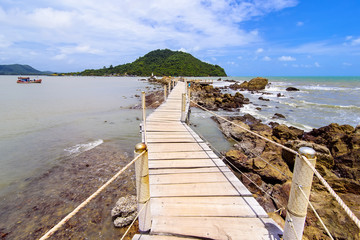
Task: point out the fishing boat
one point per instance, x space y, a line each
28 80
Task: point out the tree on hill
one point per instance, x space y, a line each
162 63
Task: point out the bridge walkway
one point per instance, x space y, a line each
193 193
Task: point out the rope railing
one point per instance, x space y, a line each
322 180
282 207
84 203
333 193
132 223
316 214
254 133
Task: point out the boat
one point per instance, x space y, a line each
28 80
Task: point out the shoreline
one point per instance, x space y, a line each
334 143
44 200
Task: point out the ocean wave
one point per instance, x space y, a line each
83 147
325 88
330 106
250 109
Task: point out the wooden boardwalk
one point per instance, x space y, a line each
194 195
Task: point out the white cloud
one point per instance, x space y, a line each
266 58
183 50
259 50
316 64
355 42
299 24
114 29
240 57
4 42
286 58
347 64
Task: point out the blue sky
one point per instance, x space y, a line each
246 38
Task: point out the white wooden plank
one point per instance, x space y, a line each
217 227
173 147
188 178
185 163
193 189
201 207
185 170
177 155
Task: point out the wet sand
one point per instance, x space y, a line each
44 200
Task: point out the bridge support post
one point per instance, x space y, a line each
143 188
297 206
169 86
143 130
183 107
165 94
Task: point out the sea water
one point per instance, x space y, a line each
43 124
320 101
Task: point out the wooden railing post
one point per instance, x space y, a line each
183 107
297 206
143 187
143 134
169 86
165 94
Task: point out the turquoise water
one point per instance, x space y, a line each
42 125
320 101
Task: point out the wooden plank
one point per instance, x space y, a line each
193 189
187 178
177 155
185 163
158 237
217 227
186 170
173 147
201 207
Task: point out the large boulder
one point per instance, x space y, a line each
124 211
254 84
323 154
287 133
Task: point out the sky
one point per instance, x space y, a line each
246 38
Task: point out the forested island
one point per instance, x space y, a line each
18 69
160 63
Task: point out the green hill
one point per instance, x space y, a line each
18 69
162 63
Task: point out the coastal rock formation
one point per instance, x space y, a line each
337 150
254 84
124 211
212 98
292 89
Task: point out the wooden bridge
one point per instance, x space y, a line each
193 194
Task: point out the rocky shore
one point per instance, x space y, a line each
338 161
44 200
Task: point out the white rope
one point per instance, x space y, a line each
322 180
261 189
254 133
278 170
132 223
316 214
83 204
332 192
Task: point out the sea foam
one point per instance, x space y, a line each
83 147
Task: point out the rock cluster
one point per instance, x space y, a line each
213 99
338 161
254 84
124 211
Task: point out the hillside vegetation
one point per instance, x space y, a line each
161 63
18 69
